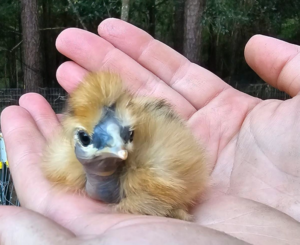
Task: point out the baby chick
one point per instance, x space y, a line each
131 152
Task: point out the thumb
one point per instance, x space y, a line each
275 61
21 226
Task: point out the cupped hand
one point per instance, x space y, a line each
253 145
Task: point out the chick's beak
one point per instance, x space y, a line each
106 142
123 154
107 138
103 161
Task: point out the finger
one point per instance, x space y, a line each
42 113
196 84
275 61
24 145
59 117
33 190
247 220
21 226
94 54
171 232
69 75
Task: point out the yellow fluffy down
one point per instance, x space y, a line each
165 171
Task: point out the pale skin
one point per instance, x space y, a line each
253 146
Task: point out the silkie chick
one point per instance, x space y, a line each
131 152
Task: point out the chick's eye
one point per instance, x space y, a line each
84 138
131 133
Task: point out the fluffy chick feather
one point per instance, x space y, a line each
165 171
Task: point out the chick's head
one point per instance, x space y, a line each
100 123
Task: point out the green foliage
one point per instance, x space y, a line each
226 27
10 36
9 12
143 11
92 12
290 29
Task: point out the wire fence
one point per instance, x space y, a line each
7 193
57 98
264 91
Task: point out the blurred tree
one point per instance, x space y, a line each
216 40
192 29
125 10
178 25
151 6
31 45
10 43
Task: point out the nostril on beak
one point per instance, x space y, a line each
123 154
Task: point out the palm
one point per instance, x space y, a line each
260 161
249 141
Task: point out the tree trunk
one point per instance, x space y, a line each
44 35
233 52
192 29
21 73
179 25
152 15
31 45
125 10
212 50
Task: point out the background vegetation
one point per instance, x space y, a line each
212 33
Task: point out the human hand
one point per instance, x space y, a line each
252 143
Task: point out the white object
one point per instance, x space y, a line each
3 156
